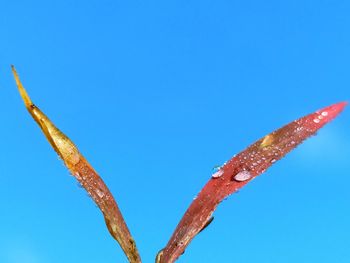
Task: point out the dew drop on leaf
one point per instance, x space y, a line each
242 176
100 193
217 174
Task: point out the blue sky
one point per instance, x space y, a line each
155 94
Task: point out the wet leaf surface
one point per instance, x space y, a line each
85 174
239 171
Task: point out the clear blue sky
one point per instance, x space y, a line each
156 93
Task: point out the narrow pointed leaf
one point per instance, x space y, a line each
86 176
239 171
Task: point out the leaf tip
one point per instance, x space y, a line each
27 101
332 111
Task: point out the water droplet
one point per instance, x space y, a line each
325 113
74 158
242 176
77 175
216 168
273 160
100 193
217 174
316 120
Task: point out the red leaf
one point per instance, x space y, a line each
239 171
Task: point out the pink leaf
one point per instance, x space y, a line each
239 171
